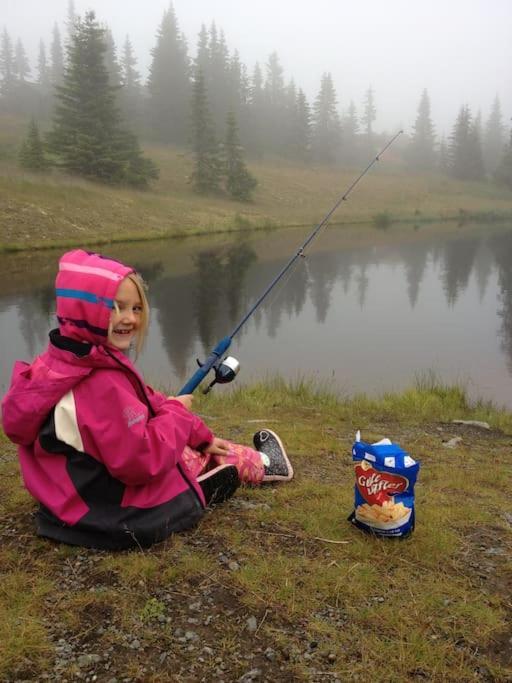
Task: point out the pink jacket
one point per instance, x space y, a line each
99 449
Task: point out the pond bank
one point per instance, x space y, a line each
53 210
379 221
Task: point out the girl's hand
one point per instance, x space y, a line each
185 400
217 447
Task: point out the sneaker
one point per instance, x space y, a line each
275 461
219 484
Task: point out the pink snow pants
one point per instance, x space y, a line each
246 460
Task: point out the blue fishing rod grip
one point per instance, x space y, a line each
205 368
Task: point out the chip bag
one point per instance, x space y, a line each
384 488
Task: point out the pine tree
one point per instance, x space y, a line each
274 83
274 117
43 74
7 67
32 150
369 116
326 131
131 91
477 168
256 113
43 83
239 182
239 94
290 114
444 157
494 138
217 77
21 66
465 147
350 136
299 126
459 144
207 174
87 137
70 23
202 60
111 61
169 83
503 174
57 58
237 84
421 152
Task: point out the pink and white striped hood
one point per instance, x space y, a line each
86 286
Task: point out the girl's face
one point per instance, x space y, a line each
125 318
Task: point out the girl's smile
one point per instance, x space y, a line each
126 316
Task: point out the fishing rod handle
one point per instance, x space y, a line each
205 367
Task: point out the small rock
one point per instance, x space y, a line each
252 624
452 443
250 676
495 551
270 654
234 566
86 660
472 423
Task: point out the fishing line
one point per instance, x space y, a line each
281 285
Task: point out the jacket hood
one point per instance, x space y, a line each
86 286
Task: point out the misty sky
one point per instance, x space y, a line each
460 50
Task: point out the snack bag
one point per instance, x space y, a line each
384 488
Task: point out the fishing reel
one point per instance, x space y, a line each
225 371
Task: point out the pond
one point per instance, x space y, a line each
367 310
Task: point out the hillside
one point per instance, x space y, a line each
38 210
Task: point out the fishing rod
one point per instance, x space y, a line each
226 369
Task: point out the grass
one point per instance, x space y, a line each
53 210
327 600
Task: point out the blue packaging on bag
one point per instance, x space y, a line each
384 488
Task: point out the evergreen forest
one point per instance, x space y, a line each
87 107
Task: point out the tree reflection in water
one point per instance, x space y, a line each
501 246
207 295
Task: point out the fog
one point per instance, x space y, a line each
459 50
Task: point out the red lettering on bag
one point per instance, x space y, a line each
377 487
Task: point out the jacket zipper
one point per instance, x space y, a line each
139 382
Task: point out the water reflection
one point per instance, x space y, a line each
501 247
414 286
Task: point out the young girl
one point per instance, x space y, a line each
112 462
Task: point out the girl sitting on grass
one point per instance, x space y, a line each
113 463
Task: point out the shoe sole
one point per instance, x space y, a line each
219 484
279 477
